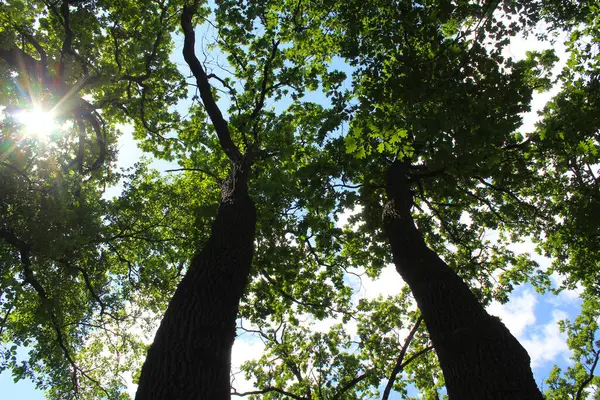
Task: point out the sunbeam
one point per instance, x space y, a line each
37 122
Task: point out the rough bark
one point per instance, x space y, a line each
190 357
478 355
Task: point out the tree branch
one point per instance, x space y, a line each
269 390
589 378
351 384
399 365
29 278
215 177
265 80
7 314
189 55
503 190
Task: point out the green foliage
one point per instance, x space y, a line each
328 93
581 379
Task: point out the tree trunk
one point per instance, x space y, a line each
190 357
479 356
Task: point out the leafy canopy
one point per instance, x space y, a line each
331 92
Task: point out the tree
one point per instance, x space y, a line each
217 275
61 286
430 66
426 92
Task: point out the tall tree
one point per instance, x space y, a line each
127 87
416 68
191 353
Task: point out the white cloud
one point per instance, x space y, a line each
517 49
347 213
465 218
543 342
547 342
567 296
388 283
246 347
291 239
518 313
130 387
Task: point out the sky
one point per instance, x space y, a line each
530 316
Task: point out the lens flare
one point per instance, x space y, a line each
37 122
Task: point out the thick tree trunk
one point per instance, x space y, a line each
190 357
479 356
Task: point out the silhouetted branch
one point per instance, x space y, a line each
589 377
269 390
189 55
351 384
399 361
29 278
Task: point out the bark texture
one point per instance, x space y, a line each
190 357
479 356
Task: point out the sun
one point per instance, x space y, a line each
38 122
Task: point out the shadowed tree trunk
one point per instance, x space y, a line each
479 356
190 357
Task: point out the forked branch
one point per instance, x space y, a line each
212 109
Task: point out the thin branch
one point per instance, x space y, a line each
502 190
351 384
300 302
130 267
81 145
415 356
400 359
589 377
90 287
92 118
17 58
221 127
269 390
265 80
67 47
289 362
150 58
38 47
454 235
512 146
223 82
361 377
215 177
486 202
591 172
421 172
16 170
29 277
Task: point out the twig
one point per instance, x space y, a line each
351 384
24 250
195 170
212 109
5 319
589 378
400 359
269 390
